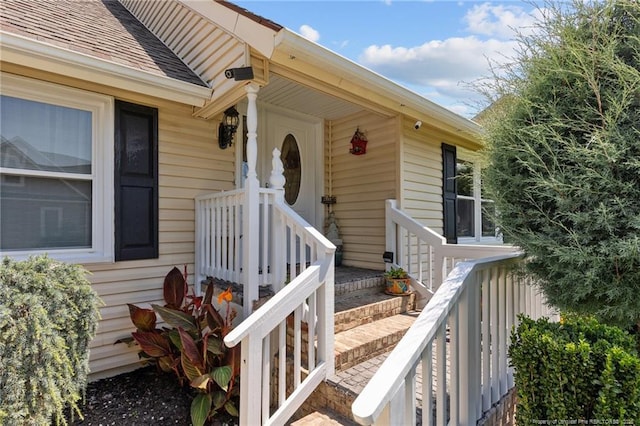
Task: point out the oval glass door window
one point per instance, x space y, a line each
290 155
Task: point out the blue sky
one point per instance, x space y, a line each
435 48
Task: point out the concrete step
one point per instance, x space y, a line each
365 341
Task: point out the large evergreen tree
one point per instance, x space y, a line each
563 146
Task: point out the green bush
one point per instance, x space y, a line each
578 369
48 314
564 159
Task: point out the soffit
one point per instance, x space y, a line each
288 94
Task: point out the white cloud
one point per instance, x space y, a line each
502 21
309 32
445 65
448 68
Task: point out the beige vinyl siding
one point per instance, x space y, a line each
190 164
421 175
361 184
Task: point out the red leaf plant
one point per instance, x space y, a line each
192 346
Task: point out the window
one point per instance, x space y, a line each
292 169
56 169
474 213
467 213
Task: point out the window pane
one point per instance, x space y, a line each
44 213
488 213
465 217
292 169
464 176
39 136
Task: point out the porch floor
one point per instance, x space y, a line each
347 274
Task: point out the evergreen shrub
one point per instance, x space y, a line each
48 315
564 158
578 370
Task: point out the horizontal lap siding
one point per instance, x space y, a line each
361 184
190 164
422 184
421 176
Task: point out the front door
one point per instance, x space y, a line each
300 145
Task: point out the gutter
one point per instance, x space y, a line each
43 56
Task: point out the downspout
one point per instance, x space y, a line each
332 231
330 165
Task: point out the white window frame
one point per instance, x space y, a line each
478 238
101 108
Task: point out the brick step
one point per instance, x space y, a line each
358 309
323 417
337 393
373 283
366 341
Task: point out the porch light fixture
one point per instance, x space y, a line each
358 143
228 128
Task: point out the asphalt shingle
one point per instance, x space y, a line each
102 29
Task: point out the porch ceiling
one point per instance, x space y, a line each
287 94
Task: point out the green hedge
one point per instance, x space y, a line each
48 315
575 370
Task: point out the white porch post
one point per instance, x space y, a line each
251 211
391 236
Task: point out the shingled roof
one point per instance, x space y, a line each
102 29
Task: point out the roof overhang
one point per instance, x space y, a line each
240 24
291 47
34 54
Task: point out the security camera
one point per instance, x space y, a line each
245 73
417 125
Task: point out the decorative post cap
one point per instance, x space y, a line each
277 179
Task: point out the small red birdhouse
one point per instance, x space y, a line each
358 143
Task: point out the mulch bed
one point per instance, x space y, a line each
141 397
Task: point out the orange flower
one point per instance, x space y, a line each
225 296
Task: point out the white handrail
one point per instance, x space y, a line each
273 336
251 236
425 254
479 301
271 314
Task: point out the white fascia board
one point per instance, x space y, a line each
236 24
304 49
43 56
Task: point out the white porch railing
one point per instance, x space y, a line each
460 339
219 241
219 235
309 298
425 254
280 249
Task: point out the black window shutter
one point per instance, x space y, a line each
449 193
136 181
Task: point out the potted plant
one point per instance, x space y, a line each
397 281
